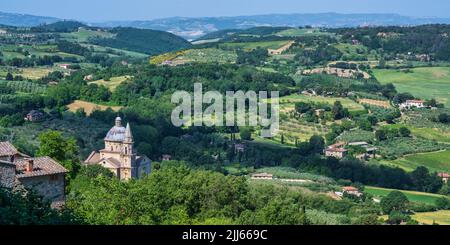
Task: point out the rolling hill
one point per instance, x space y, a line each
143 40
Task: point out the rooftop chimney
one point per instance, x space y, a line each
29 165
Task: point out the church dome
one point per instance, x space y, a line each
116 133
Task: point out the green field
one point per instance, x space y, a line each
441 217
112 83
431 134
84 35
424 82
435 161
253 45
412 196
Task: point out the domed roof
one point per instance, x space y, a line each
116 133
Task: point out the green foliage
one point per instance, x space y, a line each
443 203
395 201
54 145
338 111
253 57
245 133
22 207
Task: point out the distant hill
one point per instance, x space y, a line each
142 40
257 31
60 26
25 20
192 28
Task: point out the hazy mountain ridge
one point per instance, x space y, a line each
195 27
25 20
192 28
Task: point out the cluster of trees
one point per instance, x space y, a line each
320 55
33 60
392 132
324 84
175 194
60 26
254 57
442 118
21 207
425 39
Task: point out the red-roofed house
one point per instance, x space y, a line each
444 176
336 151
351 190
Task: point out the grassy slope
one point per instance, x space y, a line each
412 196
112 83
440 217
424 82
435 161
89 107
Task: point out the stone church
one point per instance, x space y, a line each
119 155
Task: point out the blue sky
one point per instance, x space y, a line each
100 10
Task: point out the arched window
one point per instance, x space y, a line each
126 150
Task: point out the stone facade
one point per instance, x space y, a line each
42 175
7 174
50 187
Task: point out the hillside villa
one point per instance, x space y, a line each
349 190
412 104
337 150
444 177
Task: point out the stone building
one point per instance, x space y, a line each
43 175
337 150
119 155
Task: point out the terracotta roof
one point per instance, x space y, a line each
336 150
42 166
7 163
94 157
7 149
114 162
349 188
444 175
337 145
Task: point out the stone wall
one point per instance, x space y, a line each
7 174
50 187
